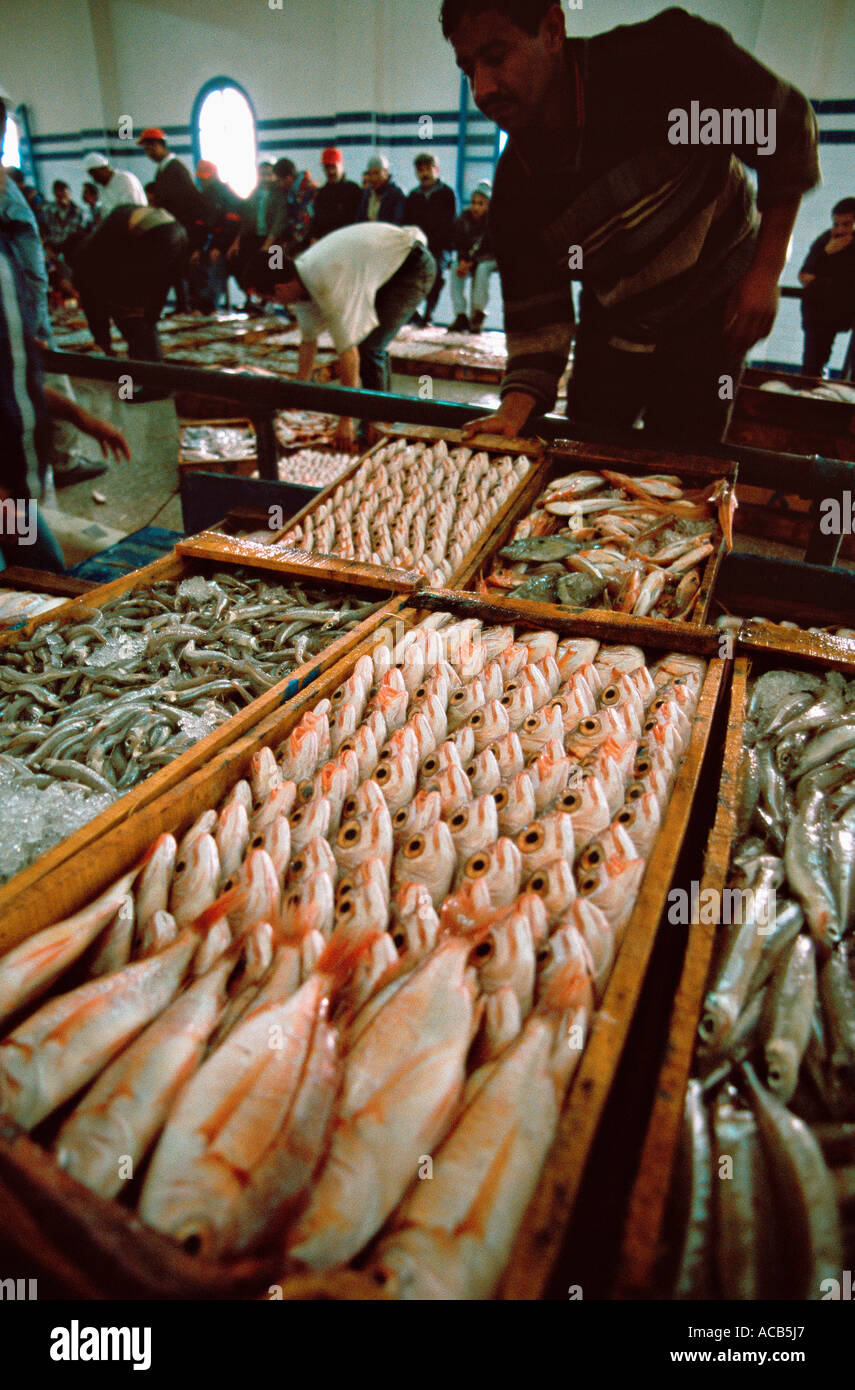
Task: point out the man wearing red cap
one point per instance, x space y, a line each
337 202
173 190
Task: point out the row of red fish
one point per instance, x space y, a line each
351 999
413 507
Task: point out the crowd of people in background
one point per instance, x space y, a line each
231 237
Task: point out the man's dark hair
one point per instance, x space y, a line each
285 168
527 15
422 159
60 183
17 176
846 205
90 188
266 164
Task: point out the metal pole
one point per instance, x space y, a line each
265 440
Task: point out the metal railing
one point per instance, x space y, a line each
260 397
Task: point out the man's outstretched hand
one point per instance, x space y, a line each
509 420
751 311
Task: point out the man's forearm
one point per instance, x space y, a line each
306 360
61 408
776 229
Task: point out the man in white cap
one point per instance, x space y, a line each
383 200
118 186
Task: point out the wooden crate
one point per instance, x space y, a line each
571 456
245 466
489 443
117 1252
759 593
63 587
644 1239
792 424
223 549
16 896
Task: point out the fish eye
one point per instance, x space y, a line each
258 842
229 883
382 774
626 817
349 833
297 865
415 845
539 883
430 765
477 719
385 755
181 866
590 725
477 865
530 839
531 722
400 817
649 726
501 798
399 940
297 817
459 819
484 949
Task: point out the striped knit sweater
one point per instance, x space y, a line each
664 229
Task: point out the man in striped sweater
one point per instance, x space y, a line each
625 169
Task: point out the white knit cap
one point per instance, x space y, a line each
95 161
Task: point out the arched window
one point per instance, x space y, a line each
224 132
11 151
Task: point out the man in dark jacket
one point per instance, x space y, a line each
432 206
123 271
828 276
337 201
174 190
223 214
256 222
624 168
382 200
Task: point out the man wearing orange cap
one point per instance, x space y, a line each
337 202
173 190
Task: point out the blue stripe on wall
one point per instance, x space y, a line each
834 106
50 147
